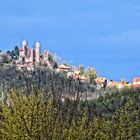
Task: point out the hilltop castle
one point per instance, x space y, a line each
30 58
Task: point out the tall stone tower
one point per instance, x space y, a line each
24 46
32 55
37 52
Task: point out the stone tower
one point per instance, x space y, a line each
37 52
32 55
24 46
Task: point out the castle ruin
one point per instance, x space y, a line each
30 58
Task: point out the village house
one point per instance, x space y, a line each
100 81
136 82
119 85
111 83
64 68
78 76
71 72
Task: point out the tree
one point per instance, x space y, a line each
43 115
16 51
91 74
8 52
126 121
27 117
105 84
82 69
123 81
6 58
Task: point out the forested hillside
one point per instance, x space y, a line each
47 105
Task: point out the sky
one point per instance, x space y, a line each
104 34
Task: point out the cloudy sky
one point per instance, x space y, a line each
104 34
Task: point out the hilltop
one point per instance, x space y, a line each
30 58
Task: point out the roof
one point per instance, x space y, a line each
113 83
100 79
62 66
136 80
82 77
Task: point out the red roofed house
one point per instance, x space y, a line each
136 82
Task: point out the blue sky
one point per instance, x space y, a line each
104 34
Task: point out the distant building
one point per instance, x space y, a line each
64 68
30 58
100 81
136 82
78 76
119 85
